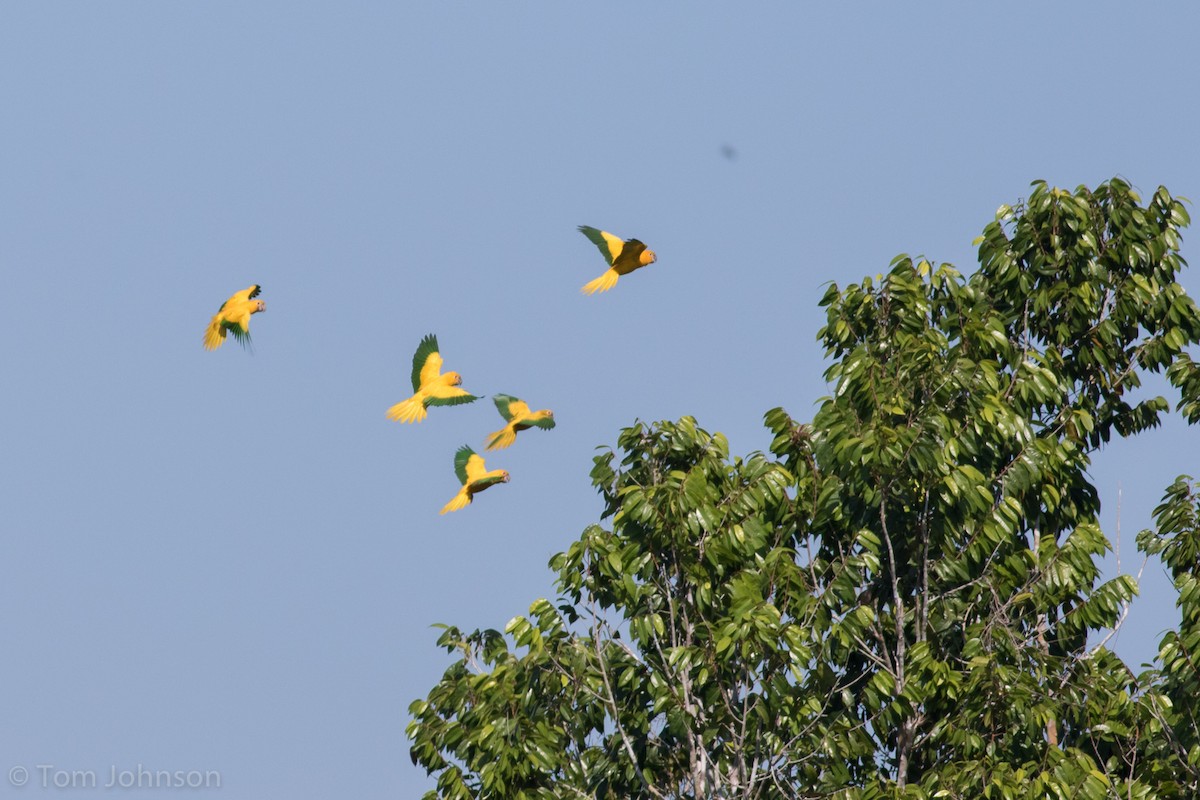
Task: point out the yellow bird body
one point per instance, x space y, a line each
623 257
431 386
519 418
234 317
475 477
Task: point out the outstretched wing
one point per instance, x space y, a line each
475 468
457 400
427 361
610 246
484 482
244 296
503 402
519 409
464 455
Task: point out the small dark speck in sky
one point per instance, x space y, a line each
728 151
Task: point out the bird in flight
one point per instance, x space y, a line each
475 477
234 317
431 386
518 417
623 257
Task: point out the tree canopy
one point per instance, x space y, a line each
896 600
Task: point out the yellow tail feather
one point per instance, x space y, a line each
460 500
410 410
214 337
502 438
601 284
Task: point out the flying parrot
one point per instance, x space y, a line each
234 317
475 478
519 418
623 258
432 386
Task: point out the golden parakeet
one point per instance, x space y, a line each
623 258
234 317
432 386
519 418
475 478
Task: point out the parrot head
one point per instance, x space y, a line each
647 257
452 378
504 476
261 305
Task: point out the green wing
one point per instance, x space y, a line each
484 483
450 401
545 423
428 345
502 402
460 463
241 334
597 237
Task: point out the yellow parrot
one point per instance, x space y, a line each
234 317
623 258
432 386
474 476
519 418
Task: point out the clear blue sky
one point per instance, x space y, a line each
230 561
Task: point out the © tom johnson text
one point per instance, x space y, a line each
50 776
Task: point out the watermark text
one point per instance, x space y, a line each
115 777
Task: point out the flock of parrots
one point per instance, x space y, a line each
432 387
